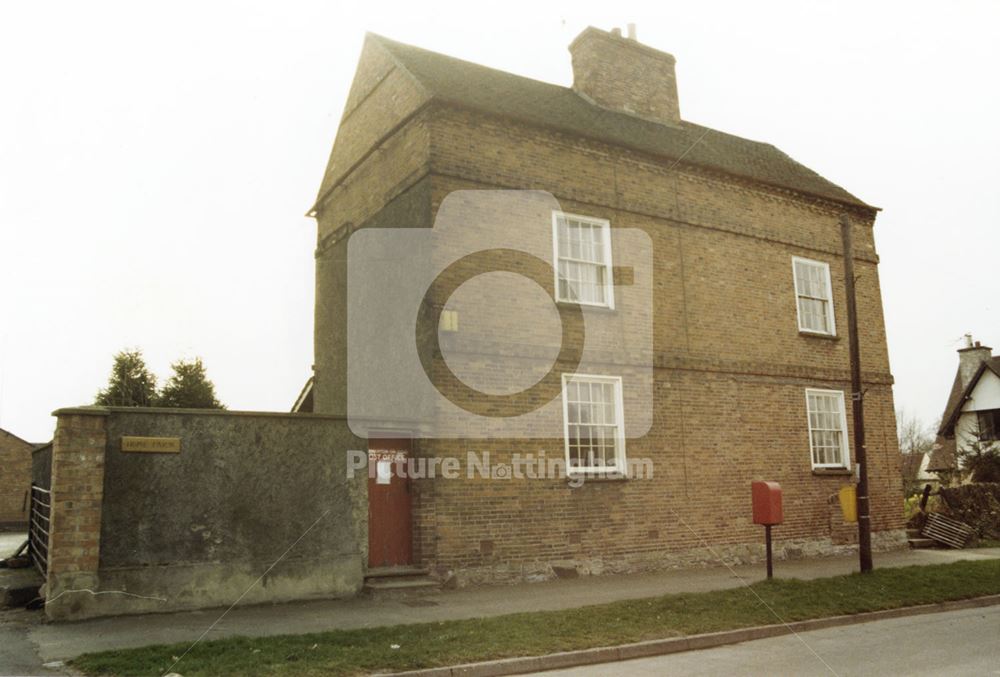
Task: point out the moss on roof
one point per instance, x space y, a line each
470 85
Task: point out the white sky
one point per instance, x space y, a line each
156 163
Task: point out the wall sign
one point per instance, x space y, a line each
162 445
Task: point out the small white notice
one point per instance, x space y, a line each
383 472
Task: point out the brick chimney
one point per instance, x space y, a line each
970 357
622 74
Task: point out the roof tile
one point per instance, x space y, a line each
471 85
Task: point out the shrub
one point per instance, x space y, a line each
978 505
915 518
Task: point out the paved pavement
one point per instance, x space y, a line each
52 642
18 654
963 642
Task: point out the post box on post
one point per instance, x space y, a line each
767 511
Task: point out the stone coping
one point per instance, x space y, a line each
107 411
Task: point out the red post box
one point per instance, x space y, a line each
766 503
767 511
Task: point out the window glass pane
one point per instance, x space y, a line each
813 296
827 433
989 424
592 422
580 248
812 314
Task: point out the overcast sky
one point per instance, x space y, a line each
156 161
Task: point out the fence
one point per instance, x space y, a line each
38 528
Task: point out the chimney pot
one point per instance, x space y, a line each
617 32
631 32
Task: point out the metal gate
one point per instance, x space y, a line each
38 528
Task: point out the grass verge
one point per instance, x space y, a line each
451 642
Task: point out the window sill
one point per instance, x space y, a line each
588 477
587 306
832 471
816 334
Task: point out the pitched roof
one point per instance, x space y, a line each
943 457
304 402
953 399
958 395
910 466
470 85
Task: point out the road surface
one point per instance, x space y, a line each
965 642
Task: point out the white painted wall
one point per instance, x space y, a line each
922 474
986 394
965 429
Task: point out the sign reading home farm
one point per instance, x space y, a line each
163 445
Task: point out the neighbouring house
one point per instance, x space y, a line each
943 461
749 365
15 480
972 412
916 474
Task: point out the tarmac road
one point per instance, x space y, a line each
965 642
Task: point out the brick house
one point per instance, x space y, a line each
972 411
15 480
749 357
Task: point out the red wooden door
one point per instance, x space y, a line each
390 530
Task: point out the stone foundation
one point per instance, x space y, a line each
645 562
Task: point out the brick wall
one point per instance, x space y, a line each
622 74
714 435
731 372
75 527
15 480
381 98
